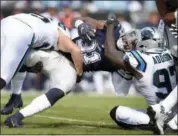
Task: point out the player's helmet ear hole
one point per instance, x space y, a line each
113 113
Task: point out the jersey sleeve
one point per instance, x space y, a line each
62 28
135 59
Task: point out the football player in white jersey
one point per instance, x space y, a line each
159 113
22 32
153 70
62 76
168 12
93 56
53 63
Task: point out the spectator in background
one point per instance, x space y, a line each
67 14
125 24
84 12
153 20
102 82
7 4
149 5
137 12
52 10
19 7
76 4
37 7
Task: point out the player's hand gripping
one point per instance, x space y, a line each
86 32
169 18
112 19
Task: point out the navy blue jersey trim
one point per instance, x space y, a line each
141 62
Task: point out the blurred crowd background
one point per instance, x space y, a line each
131 14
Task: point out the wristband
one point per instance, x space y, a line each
78 22
175 14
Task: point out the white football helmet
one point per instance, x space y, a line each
128 41
151 41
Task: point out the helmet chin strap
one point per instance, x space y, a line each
130 38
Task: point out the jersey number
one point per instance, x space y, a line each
94 57
44 19
47 20
90 55
163 84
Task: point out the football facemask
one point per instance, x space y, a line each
128 41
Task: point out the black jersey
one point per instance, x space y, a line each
93 54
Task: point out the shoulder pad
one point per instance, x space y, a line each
135 59
130 59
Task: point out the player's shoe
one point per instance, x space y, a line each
15 101
13 121
157 118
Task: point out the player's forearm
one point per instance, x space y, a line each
65 44
110 41
110 48
167 16
97 24
161 6
78 61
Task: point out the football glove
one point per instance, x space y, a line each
112 19
86 32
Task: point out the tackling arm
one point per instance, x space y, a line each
97 24
65 44
115 56
110 48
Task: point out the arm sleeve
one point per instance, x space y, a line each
136 60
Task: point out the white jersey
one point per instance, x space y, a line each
159 74
22 32
45 30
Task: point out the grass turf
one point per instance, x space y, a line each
75 114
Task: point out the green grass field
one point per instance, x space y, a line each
75 114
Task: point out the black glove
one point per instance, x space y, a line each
86 32
36 68
112 19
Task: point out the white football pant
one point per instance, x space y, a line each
16 38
